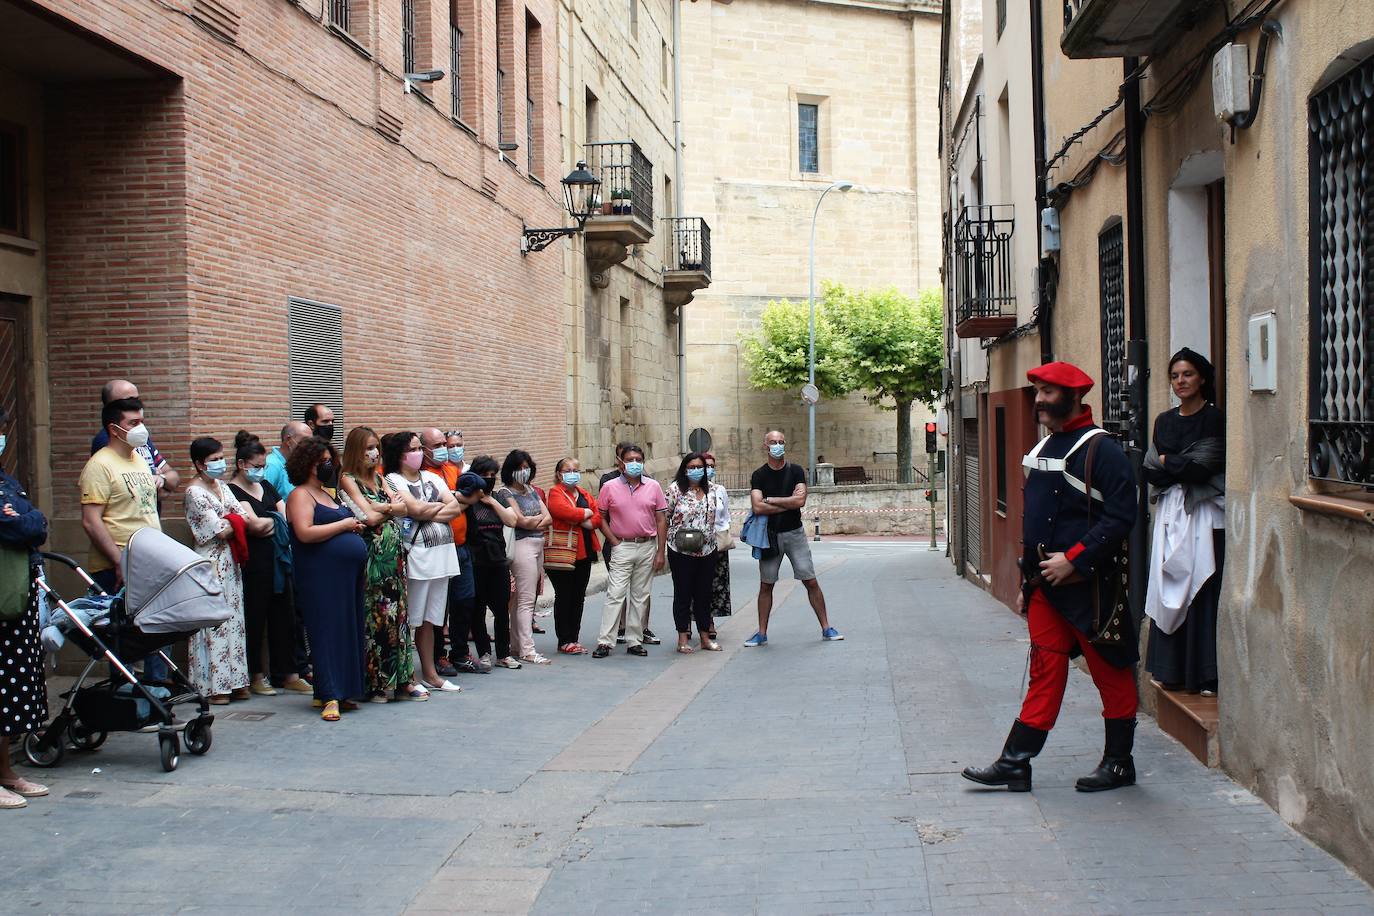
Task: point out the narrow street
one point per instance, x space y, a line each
804 777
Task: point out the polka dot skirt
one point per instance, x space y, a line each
23 692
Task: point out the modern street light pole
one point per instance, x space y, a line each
811 350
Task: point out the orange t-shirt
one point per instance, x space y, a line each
450 473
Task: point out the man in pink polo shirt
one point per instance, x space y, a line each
635 523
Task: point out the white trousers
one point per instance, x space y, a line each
628 580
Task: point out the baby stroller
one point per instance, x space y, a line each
170 591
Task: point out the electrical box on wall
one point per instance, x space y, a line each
1231 81
1049 231
1262 352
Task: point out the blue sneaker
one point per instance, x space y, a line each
831 634
753 642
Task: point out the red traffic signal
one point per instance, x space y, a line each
931 445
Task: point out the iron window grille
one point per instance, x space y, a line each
408 35
689 240
1341 297
1111 279
627 179
455 67
529 135
983 268
808 137
500 105
339 13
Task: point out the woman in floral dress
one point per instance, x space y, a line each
390 663
219 655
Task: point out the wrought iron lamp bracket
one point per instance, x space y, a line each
539 239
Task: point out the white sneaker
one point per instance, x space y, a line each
509 662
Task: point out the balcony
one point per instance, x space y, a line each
1124 28
626 205
688 265
984 299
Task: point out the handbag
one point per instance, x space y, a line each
1109 624
725 540
689 540
560 548
16 583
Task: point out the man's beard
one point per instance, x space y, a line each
1060 409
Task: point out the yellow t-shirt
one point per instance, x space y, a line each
128 493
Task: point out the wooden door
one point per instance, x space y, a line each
16 373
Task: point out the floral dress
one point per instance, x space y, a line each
390 662
218 655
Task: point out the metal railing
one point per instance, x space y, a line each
983 267
339 13
733 479
455 65
689 244
627 179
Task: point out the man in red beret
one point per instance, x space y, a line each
1080 504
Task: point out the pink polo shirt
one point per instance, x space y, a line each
633 510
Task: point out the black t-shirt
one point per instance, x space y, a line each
261 554
486 534
780 483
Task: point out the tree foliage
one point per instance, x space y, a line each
776 353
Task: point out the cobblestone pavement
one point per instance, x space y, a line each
804 777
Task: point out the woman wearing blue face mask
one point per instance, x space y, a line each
692 512
574 512
219 526
267 609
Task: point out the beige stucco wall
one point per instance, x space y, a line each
1295 634
745 65
621 360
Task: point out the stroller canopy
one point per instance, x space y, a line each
168 587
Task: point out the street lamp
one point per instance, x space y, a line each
579 198
810 393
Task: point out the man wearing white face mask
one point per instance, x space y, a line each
118 491
778 491
164 475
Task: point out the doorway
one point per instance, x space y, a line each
16 374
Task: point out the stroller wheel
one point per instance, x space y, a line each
84 740
41 756
197 735
171 751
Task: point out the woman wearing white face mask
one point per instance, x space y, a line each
220 525
267 609
527 564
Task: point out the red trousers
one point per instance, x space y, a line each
1052 639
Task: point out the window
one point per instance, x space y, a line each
1001 16
808 137
1111 278
314 334
455 70
663 63
534 88
1341 297
591 118
1000 431
627 351
634 18
408 35
503 63
341 13
12 181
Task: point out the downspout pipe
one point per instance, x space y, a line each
677 211
1044 290
1137 350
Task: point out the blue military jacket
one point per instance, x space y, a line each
1057 517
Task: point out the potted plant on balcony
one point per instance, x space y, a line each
622 206
594 203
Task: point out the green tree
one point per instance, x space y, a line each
895 348
776 353
880 342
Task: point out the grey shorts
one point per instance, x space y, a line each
794 546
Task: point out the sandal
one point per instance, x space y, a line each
24 787
709 646
345 705
331 711
572 648
413 692
9 799
685 649
220 699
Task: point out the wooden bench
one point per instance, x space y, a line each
850 474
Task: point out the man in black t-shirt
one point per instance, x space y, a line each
778 490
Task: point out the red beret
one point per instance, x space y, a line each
1065 375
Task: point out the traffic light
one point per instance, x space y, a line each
930 496
931 446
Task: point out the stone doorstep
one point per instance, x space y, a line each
1191 720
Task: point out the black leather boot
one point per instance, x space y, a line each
1117 769
1013 768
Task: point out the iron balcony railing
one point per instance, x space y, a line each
339 13
689 244
983 263
627 179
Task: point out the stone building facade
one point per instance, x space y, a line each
1241 237
238 205
865 109
616 87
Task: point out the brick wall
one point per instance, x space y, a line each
183 215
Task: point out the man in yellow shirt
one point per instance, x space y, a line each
118 492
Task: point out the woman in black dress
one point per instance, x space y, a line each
267 609
23 694
1189 443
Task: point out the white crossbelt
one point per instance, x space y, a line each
1033 462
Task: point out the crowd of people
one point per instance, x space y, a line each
381 573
